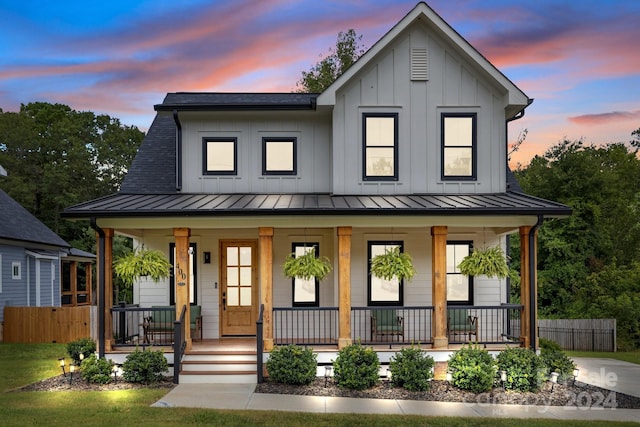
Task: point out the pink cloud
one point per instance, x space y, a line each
605 118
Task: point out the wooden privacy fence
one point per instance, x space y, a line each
46 324
580 334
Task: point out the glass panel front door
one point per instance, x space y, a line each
239 287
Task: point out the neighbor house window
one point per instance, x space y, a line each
193 288
16 270
459 286
306 292
459 142
381 291
380 146
219 156
279 156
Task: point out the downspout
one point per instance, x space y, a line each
101 249
533 297
178 150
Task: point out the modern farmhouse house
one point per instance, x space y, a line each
407 149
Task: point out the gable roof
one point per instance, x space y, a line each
16 223
422 12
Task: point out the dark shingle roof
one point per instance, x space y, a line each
154 168
188 101
16 223
147 205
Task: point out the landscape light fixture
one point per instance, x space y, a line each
503 378
575 375
72 369
554 379
62 366
449 378
327 374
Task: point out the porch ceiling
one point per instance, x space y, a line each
509 209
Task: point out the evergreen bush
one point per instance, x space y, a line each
472 368
292 364
144 366
356 367
411 369
85 346
95 370
524 368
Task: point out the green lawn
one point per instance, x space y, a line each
21 364
628 356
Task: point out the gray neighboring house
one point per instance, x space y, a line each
30 258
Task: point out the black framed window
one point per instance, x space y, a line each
380 146
459 286
193 269
459 146
219 156
381 291
306 293
279 156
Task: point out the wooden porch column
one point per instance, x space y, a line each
182 276
344 286
108 288
265 254
525 287
439 285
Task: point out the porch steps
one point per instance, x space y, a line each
219 366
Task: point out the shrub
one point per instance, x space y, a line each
84 346
472 369
547 344
292 364
557 361
144 366
411 368
356 367
96 371
525 369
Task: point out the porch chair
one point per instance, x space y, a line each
459 322
386 322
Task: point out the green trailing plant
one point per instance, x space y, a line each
411 369
292 364
472 368
356 367
524 368
96 371
144 366
142 262
490 262
393 264
85 346
307 266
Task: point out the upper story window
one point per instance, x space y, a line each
279 156
381 291
459 286
459 146
380 146
219 156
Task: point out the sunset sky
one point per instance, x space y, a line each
579 60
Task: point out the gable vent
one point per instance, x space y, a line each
419 69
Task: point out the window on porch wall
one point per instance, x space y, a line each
306 293
459 286
382 292
193 288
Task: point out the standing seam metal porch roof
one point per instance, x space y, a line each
190 204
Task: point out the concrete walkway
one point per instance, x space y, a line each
242 396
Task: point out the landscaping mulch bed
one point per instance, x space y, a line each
580 395
62 383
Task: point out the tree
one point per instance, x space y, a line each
578 257
635 142
57 157
347 51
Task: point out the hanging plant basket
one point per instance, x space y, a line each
490 262
307 266
140 263
393 264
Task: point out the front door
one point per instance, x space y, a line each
239 289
